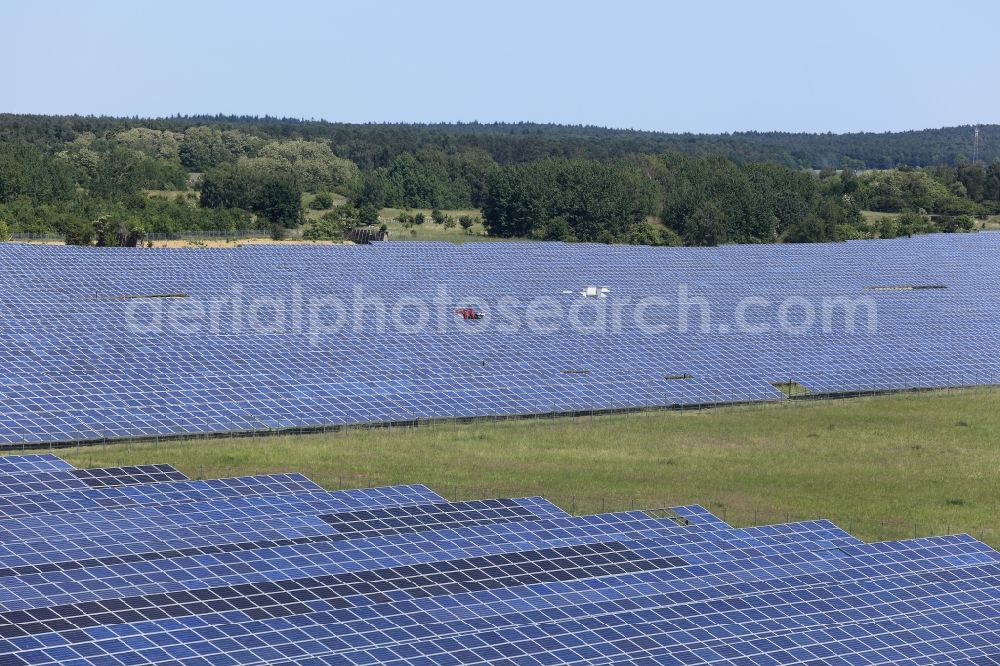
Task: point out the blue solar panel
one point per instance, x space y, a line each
23 483
139 565
196 573
198 515
72 369
70 501
27 557
43 462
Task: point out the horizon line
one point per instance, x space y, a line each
459 123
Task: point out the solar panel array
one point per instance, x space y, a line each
274 570
73 369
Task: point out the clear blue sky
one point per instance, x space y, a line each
673 66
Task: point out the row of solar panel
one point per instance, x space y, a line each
397 575
71 368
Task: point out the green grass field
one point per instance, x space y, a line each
882 467
872 217
310 214
989 224
429 231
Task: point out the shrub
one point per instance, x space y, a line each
887 228
329 227
810 229
670 238
467 221
437 216
79 232
912 222
419 218
555 229
846 232
117 233
964 223
947 224
4 232
644 234
347 214
322 201
367 215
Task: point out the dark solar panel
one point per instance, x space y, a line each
196 573
23 483
70 501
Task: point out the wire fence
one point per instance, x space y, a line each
236 234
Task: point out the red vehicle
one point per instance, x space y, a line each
468 313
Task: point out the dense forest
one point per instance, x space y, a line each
377 145
114 180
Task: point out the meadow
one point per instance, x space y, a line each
888 466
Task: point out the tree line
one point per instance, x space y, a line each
58 173
375 145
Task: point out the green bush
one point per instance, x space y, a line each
643 234
367 215
811 229
846 232
707 226
947 224
646 234
960 223
670 238
4 232
80 232
322 201
118 233
912 222
329 227
555 229
887 228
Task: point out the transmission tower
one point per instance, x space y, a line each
975 146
